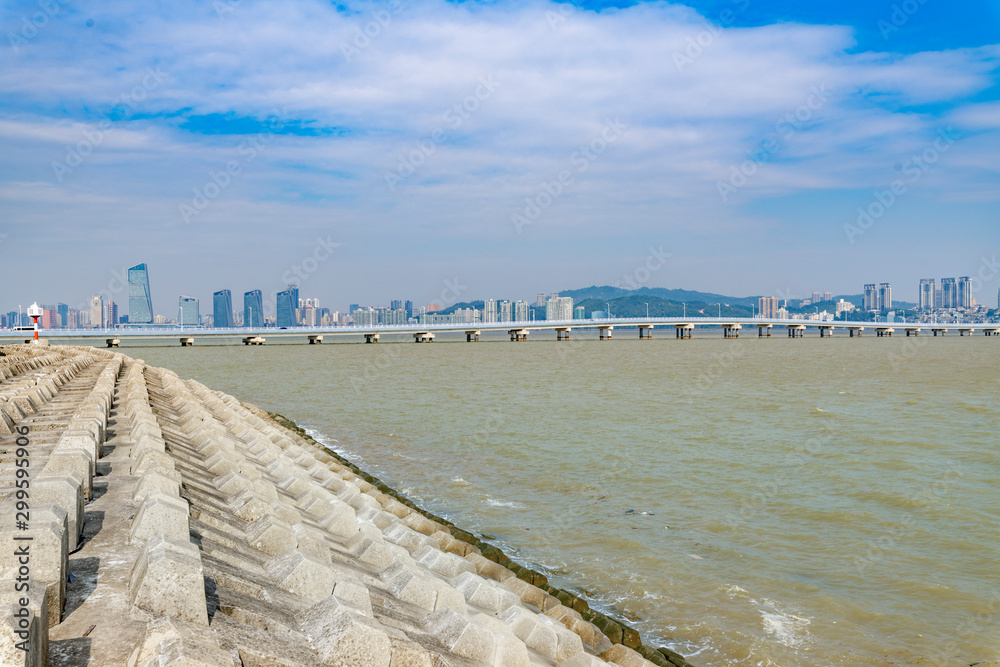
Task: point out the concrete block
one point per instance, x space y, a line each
161 514
167 580
148 443
537 636
24 625
271 535
510 651
583 660
47 554
72 462
445 564
156 481
152 459
298 572
408 538
341 520
171 641
624 656
412 588
489 569
484 593
232 483
369 552
312 541
354 594
462 636
411 654
66 491
250 506
344 637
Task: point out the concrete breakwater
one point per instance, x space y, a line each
154 521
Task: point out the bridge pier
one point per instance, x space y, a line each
683 330
882 332
562 333
731 330
935 331
991 332
315 339
856 330
112 342
518 335
371 337
423 337
912 331
963 331
604 332
471 336
187 341
253 340
646 329
761 328
826 332
796 330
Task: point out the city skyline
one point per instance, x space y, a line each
678 142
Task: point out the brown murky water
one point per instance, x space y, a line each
759 502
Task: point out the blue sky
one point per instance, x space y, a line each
504 147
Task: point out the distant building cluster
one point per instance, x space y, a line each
951 294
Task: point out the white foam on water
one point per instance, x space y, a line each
458 481
500 503
785 628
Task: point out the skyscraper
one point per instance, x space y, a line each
559 308
111 315
97 312
964 296
140 303
926 301
253 309
222 309
521 311
768 306
286 303
490 311
189 314
871 298
885 297
63 311
408 307
949 293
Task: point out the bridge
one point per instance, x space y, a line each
518 331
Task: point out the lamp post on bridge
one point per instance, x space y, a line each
647 310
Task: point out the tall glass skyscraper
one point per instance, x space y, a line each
286 308
253 309
140 303
222 309
190 315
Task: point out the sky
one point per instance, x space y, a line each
450 151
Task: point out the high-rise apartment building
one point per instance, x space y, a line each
97 311
871 298
540 300
768 306
408 307
559 308
884 297
964 295
949 293
286 302
490 311
926 295
253 309
396 304
505 311
222 309
140 302
817 297
188 311
111 314
521 310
